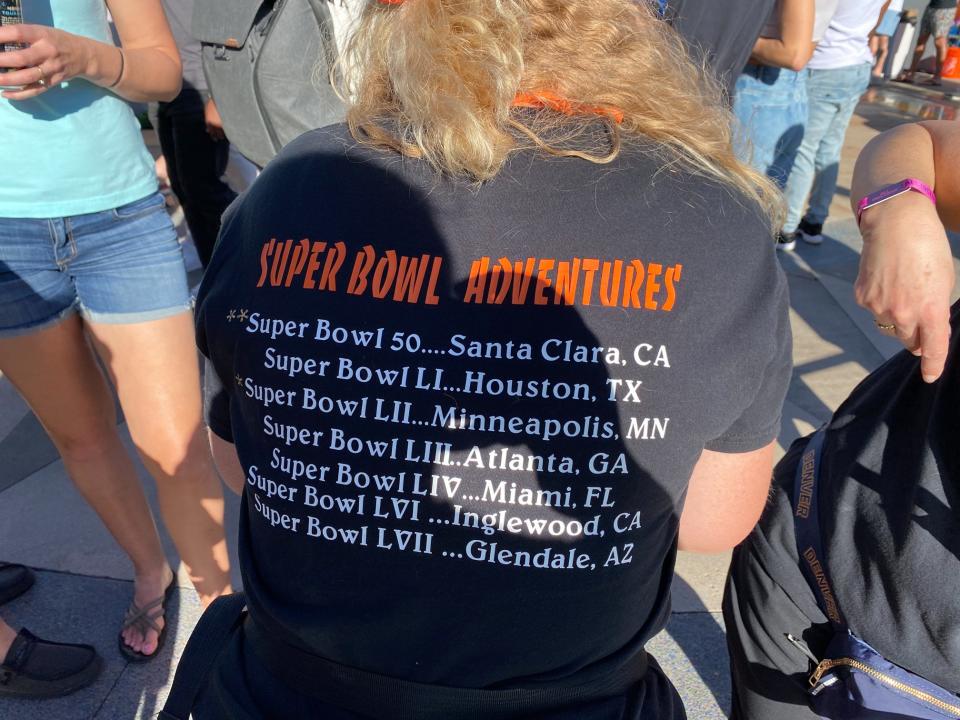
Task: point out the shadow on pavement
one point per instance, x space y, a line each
701 644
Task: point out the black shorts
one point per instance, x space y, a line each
240 687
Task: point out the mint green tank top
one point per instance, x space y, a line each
76 148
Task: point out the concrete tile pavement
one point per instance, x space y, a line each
87 609
84 581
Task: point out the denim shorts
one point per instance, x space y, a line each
117 266
888 26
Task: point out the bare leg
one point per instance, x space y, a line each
882 43
154 366
940 46
917 56
57 374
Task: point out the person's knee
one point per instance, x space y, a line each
86 442
174 452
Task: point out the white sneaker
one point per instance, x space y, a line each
810 233
785 243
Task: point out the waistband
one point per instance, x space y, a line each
381 696
769 72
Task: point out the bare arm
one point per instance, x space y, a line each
726 495
147 68
227 462
928 151
794 47
906 270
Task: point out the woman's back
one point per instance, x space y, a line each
468 416
479 344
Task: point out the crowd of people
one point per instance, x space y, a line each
485 352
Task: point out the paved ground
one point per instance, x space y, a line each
84 582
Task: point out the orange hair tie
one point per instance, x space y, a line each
547 99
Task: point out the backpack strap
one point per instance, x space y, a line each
203 648
806 523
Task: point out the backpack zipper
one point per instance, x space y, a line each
801 646
827 665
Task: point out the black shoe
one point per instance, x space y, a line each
809 232
786 243
36 668
15 580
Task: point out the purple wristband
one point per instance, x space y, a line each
891 191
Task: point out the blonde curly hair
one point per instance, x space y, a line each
437 79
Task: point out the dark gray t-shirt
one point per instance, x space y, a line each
722 32
890 517
468 416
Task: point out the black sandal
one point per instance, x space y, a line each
36 668
15 580
144 619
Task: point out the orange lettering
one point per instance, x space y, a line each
673 276
384 274
280 264
335 257
477 280
543 281
610 284
411 275
566 285
313 265
265 253
590 266
361 268
522 286
432 297
631 288
505 268
653 271
297 261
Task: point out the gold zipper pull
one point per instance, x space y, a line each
819 671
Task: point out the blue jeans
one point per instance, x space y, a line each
117 266
832 96
771 105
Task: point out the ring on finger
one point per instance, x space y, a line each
42 80
889 327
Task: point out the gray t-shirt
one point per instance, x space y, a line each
472 413
721 32
179 15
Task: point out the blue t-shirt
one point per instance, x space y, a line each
76 148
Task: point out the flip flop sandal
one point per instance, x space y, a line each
15 580
37 668
144 619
